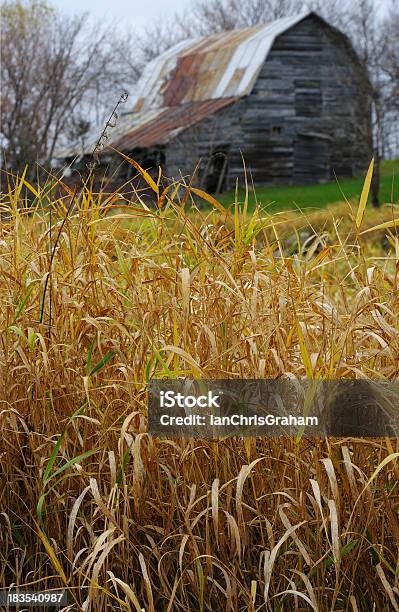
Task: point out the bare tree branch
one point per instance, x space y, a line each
55 70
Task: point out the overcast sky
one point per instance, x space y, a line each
133 13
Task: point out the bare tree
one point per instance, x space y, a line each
159 37
55 72
390 66
390 69
206 17
220 15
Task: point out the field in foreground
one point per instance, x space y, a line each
319 196
89 501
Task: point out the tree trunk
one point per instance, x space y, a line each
375 181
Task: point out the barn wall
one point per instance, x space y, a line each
301 121
220 131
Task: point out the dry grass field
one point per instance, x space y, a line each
90 502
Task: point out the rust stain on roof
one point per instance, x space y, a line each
182 79
235 79
139 105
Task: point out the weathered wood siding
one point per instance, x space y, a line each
304 120
222 130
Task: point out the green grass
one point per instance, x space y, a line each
287 197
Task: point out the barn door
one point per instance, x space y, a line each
312 158
216 170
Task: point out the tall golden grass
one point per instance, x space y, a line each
90 502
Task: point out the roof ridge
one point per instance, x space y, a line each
193 40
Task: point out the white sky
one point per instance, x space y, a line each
125 13
136 14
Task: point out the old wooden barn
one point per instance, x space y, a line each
287 97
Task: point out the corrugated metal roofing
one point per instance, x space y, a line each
219 68
172 120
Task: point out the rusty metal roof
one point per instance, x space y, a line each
169 122
219 66
190 81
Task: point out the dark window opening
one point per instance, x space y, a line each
308 98
215 171
276 129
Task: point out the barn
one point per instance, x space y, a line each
286 97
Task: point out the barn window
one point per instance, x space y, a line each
308 98
276 129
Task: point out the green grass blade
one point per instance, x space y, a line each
101 364
72 462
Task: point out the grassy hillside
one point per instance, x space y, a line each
318 196
125 521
